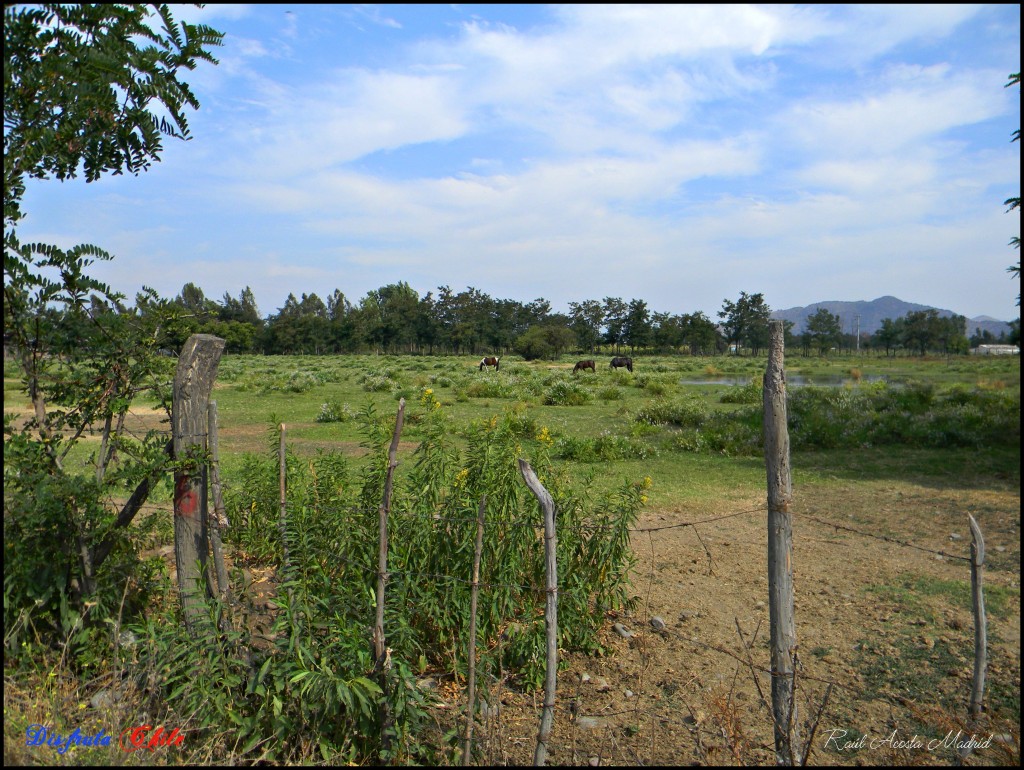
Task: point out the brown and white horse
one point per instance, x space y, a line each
581 365
489 361
622 361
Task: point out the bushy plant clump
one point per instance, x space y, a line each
830 418
751 393
316 686
566 393
685 412
603 448
334 411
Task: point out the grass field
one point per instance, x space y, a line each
890 624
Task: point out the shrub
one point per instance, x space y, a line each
333 411
565 393
689 412
751 393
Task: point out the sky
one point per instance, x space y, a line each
678 154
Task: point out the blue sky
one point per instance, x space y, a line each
676 154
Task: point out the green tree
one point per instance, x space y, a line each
700 333
615 311
636 331
824 330
746 321
547 342
586 318
90 90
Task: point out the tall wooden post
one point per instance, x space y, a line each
193 382
780 551
980 623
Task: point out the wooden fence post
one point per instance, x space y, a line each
475 591
980 630
780 552
193 382
550 611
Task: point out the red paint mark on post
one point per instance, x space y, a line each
186 501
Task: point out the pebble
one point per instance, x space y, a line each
658 623
622 631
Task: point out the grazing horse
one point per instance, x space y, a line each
581 365
622 361
489 361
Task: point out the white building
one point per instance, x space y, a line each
996 350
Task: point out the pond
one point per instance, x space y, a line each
793 380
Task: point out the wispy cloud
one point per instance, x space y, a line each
676 153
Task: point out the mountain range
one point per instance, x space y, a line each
874 312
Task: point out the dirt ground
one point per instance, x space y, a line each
873 617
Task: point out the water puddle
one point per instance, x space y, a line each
793 380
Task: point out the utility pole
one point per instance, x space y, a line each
858 333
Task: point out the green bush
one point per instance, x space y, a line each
333 411
566 393
686 412
751 393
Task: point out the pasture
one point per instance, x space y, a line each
889 457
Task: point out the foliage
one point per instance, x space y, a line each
746 321
547 342
824 331
566 393
922 331
317 686
83 88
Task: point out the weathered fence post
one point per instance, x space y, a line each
780 551
218 519
381 654
193 382
980 630
550 611
474 593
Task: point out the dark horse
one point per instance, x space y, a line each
489 361
581 365
622 361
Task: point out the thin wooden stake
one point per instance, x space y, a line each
780 551
550 611
980 622
477 550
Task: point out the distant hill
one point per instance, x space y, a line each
874 312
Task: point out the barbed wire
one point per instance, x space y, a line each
884 538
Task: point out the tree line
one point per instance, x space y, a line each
395 319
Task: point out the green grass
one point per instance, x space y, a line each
622 422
